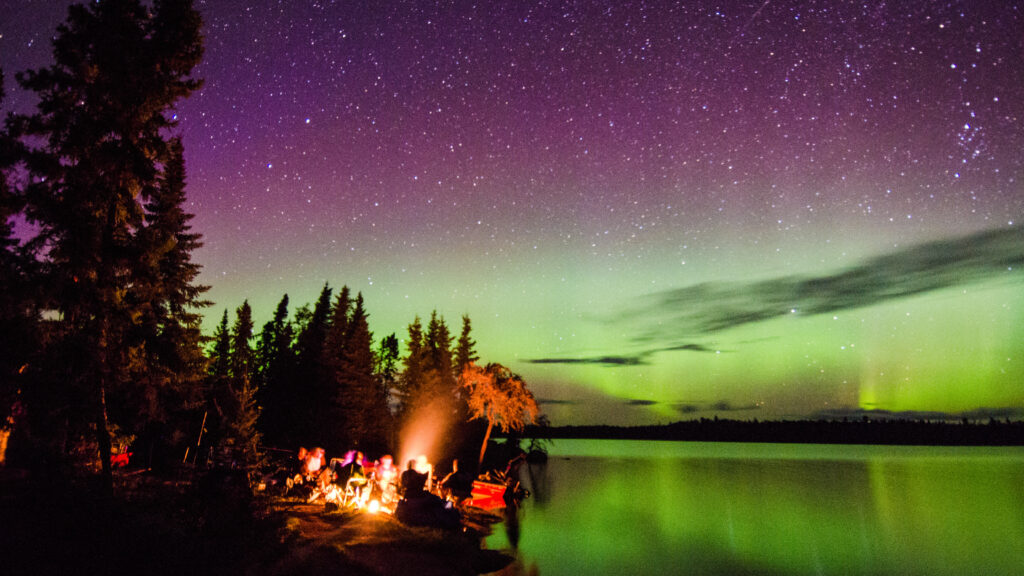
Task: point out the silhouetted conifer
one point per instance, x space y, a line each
275 367
98 146
310 390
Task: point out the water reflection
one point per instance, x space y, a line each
768 510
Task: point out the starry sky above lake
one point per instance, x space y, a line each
650 210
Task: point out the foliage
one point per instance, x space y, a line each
234 396
386 363
19 327
220 355
104 188
275 366
311 392
465 350
501 397
363 419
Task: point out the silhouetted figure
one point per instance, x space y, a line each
458 483
412 482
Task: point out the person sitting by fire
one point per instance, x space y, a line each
412 482
385 475
351 475
421 508
323 487
423 466
458 484
311 461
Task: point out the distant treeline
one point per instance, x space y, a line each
864 431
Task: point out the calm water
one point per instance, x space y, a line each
633 507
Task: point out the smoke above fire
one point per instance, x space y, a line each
425 432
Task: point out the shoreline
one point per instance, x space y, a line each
863 431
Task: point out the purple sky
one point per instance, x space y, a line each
546 166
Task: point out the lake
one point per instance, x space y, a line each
652 507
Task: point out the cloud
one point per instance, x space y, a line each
687 348
553 401
638 359
720 406
641 402
711 307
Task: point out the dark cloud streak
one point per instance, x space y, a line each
638 359
712 307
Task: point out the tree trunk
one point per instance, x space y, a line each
103 442
101 421
487 437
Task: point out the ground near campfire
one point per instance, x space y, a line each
194 526
376 544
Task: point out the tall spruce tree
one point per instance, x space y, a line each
415 365
329 415
276 362
465 354
335 342
363 417
465 349
438 385
439 352
239 411
173 368
243 359
99 144
220 354
313 402
387 364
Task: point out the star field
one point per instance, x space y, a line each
546 167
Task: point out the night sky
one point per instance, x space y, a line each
743 209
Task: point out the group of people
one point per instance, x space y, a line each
414 496
357 480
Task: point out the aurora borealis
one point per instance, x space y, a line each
651 212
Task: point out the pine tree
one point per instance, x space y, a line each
439 352
438 385
99 145
363 417
275 365
240 412
220 354
243 361
465 354
387 364
312 397
409 382
174 365
335 341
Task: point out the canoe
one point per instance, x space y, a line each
487 495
